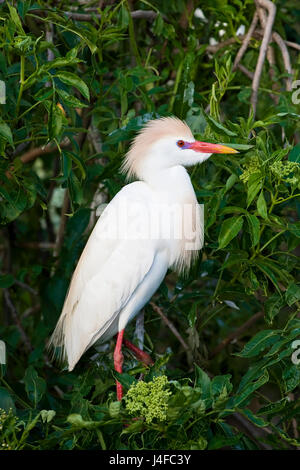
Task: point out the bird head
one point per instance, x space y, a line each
164 143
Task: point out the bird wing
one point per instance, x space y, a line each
109 270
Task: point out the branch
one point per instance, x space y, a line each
26 287
245 71
252 431
236 334
292 44
263 49
286 58
137 14
283 48
38 151
170 325
216 47
15 317
246 41
38 245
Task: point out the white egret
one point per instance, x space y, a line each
151 225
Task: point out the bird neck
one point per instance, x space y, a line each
174 180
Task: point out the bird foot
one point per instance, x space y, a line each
139 354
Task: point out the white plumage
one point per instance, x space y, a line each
136 239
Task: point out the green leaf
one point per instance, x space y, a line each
125 379
237 146
221 386
292 294
234 258
6 280
59 62
124 16
211 214
47 415
284 341
114 408
35 386
71 79
65 24
268 272
294 155
231 181
254 228
262 206
77 224
203 381
5 133
135 427
229 230
294 228
219 128
78 161
71 100
158 25
233 210
77 421
15 18
253 279
291 378
273 305
241 398
261 341
254 419
254 186
75 189
273 408
192 316
55 121
6 401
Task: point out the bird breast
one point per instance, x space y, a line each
181 223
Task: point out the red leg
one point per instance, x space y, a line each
139 354
118 362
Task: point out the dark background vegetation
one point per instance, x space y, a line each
81 78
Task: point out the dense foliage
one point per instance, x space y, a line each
77 90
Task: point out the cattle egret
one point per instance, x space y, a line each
151 225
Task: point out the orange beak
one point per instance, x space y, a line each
206 147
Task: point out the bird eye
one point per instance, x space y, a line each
180 143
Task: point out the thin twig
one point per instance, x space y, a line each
31 311
26 287
286 58
38 245
236 334
216 47
170 325
293 44
256 34
250 429
246 41
36 152
15 317
95 138
263 49
137 14
283 48
245 71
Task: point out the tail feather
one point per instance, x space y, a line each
56 344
